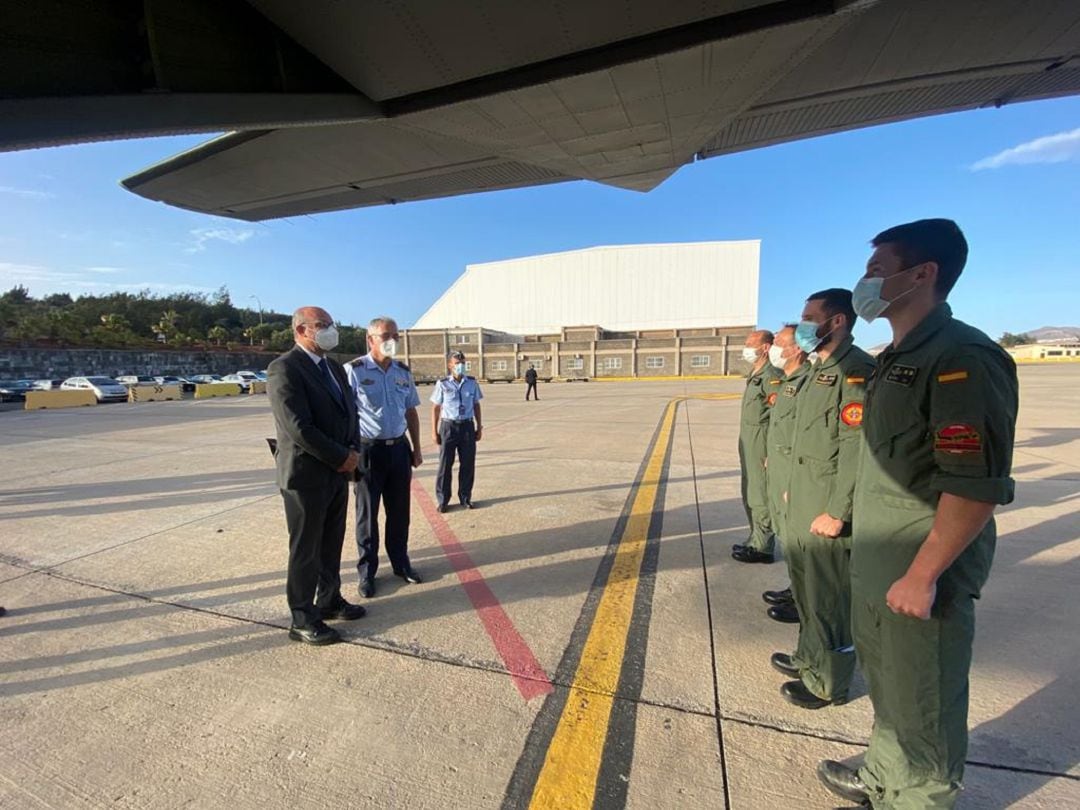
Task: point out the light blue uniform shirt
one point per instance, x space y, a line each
458 399
382 397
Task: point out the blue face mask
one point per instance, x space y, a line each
459 369
806 336
866 297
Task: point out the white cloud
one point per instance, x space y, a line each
201 236
1059 148
29 193
41 280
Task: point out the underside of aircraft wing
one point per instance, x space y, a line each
337 105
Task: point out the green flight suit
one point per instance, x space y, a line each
940 417
825 455
761 389
778 442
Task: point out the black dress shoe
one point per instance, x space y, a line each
796 692
739 546
409 575
751 555
786 613
781 662
367 587
843 781
783 597
345 611
468 504
3 611
315 633
442 507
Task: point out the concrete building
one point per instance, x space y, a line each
621 311
1064 351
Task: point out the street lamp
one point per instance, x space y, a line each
257 301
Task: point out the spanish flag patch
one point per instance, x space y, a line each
952 376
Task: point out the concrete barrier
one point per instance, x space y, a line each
218 389
41 400
257 387
153 393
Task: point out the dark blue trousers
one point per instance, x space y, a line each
386 475
458 438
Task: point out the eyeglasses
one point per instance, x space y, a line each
385 335
319 324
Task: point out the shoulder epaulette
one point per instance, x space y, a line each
467 377
354 361
403 365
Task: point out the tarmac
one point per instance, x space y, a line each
582 639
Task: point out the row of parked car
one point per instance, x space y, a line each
108 389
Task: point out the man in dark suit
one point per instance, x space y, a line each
316 456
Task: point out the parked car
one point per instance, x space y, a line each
106 389
172 379
15 390
261 375
136 379
245 384
250 376
205 378
46 385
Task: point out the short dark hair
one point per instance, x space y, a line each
836 301
930 240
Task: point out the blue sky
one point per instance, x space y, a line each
1010 177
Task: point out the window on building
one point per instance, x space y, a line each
461 338
498 365
612 363
537 364
699 361
1054 352
654 362
574 363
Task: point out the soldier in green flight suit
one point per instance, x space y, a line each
938 427
817 546
762 384
786 356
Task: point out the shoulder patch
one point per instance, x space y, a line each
355 361
952 376
902 375
851 414
958 439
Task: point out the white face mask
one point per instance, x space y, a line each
327 339
459 369
750 355
866 297
776 356
389 348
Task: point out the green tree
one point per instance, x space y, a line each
218 334
281 340
166 328
1009 339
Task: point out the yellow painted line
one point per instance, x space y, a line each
568 777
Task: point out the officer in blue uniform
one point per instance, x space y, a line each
457 425
386 402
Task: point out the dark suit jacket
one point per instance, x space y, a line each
314 431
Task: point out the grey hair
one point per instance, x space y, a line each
298 318
382 320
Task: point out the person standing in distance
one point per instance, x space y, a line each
785 355
457 425
817 548
938 430
386 402
530 382
762 384
316 454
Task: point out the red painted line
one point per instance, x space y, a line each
528 676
